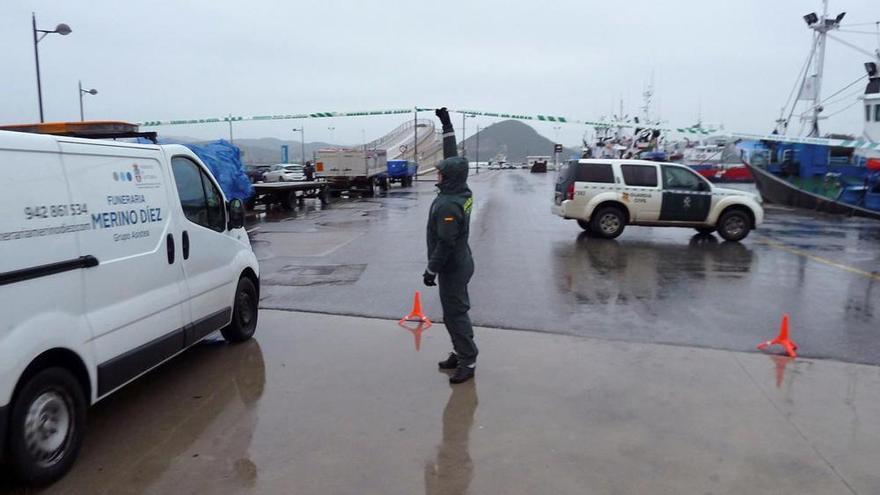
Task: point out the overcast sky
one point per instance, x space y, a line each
735 62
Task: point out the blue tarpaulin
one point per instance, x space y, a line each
224 160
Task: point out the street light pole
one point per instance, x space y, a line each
464 117
332 133
478 148
416 135
302 143
63 30
37 61
81 92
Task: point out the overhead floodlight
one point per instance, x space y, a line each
63 29
871 68
811 18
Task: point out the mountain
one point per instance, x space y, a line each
513 138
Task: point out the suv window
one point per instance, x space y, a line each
639 175
680 178
594 172
201 201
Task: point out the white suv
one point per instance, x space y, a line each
606 195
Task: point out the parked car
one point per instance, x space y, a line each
256 172
285 172
606 195
114 258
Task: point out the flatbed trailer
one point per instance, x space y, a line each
289 194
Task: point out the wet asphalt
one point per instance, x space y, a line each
537 272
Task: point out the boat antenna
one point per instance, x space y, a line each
812 87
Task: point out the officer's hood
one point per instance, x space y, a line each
455 172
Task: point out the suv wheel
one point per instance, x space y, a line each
734 225
608 222
46 428
244 313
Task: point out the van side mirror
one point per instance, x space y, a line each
235 209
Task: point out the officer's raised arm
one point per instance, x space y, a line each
450 147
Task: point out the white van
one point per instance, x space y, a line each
114 257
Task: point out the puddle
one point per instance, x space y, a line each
310 275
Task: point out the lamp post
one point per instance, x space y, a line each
81 93
332 133
63 30
555 153
477 135
464 132
302 143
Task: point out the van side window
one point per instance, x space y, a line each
680 178
594 172
639 175
202 203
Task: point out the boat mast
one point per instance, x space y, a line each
812 85
821 29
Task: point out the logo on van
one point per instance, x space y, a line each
128 176
122 176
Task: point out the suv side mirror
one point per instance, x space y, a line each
235 209
705 187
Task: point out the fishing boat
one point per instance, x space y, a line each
834 174
717 159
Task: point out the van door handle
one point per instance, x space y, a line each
185 245
169 247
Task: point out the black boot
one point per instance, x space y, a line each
462 374
451 362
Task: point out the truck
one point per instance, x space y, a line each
355 170
403 171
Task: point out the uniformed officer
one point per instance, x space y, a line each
449 256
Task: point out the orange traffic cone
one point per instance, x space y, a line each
416 313
782 339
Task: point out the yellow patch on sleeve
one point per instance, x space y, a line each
448 219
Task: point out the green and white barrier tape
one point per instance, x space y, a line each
855 143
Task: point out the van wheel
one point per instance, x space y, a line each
608 222
705 230
244 313
733 225
46 428
586 226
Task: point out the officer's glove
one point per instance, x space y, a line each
429 278
443 115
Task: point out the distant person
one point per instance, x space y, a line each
309 171
449 255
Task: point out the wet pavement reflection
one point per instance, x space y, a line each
451 472
197 413
322 404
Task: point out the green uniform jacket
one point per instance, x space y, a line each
449 220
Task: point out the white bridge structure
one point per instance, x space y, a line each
416 140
